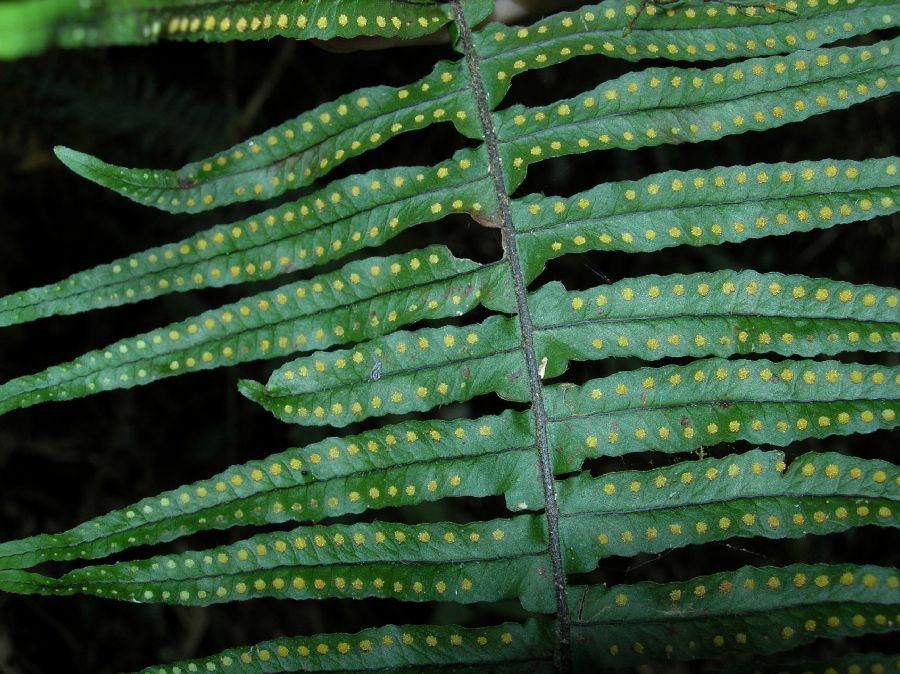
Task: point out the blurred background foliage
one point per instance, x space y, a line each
162 106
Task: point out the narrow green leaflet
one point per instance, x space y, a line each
751 610
31 26
672 208
713 314
743 495
505 649
666 105
479 561
652 317
403 372
345 216
320 19
396 465
296 153
414 461
692 502
708 207
363 298
682 408
687 31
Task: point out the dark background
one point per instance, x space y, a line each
164 105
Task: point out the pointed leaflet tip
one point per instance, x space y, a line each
81 163
115 178
67 154
252 390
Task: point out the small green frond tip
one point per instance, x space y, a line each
85 165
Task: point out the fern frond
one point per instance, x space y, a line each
376 294
698 208
683 32
714 314
504 649
678 105
673 208
746 202
745 495
719 314
30 26
480 561
337 476
729 614
682 408
329 224
765 610
752 494
361 352
408 463
295 153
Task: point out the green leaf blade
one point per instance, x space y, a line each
752 610
329 224
329 309
697 208
480 561
657 106
714 314
748 495
397 465
38 25
406 648
682 408
397 374
293 154
688 32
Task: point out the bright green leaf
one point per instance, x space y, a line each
751 610
30 26
697 208
679 408
329 309
744 495
677 105
397 465
296 153
329 224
